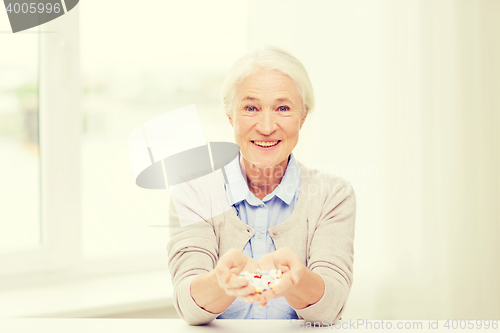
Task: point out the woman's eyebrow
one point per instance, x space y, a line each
277 100
248 98
280 99
283 99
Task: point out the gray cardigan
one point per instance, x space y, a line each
320 231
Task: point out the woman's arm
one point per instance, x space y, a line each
307 291
207 293
192 251
319 292
332 254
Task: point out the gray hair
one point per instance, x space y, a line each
268 58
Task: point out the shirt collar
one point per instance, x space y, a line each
237 187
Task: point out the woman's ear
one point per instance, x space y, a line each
230 119
304 118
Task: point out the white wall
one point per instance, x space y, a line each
409 88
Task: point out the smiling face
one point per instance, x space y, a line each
267 115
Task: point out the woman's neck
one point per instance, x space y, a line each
262 181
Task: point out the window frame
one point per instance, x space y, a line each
58 80
60 256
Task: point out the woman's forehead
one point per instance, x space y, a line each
267 85
267 76
279 97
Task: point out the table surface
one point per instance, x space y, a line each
97 325
74 325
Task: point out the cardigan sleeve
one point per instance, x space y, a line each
192 250
331 256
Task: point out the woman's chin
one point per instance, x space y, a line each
263 161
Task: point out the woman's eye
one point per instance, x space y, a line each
250 108
283 108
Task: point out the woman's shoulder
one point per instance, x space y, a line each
200 199
321 176
326 190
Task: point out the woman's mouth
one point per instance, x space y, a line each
266 144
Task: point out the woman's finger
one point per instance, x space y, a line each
223 274
235 282
296 269
247 299
295 274
280 289
232 261
253 298
268 294
251 265
267 262
241 292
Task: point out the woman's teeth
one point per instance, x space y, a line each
265 144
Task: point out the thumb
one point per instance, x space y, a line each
223 270
296 272
224 274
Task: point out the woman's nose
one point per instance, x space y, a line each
267 123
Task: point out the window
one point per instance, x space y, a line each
43 67
20 224
79 197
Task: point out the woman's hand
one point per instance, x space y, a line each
230 265
292 267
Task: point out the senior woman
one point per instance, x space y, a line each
283 216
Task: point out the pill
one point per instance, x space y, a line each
262 280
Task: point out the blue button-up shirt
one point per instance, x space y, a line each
261 215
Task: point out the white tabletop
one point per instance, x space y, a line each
70 325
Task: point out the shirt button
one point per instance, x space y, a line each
260 307
261 205
260 236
